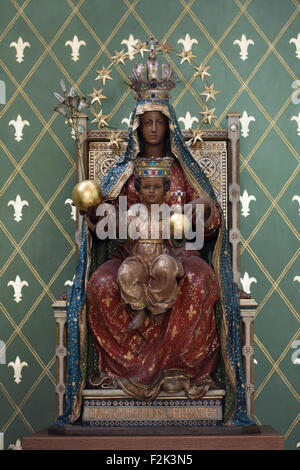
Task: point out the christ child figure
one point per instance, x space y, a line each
148 276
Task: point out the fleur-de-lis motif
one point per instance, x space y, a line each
2 92
128 356
188 120
73 208
18 125
75 45
20 46
16 446
245 121
191 312
297 198
245 200
130 43
297 278
187 42
126 121
18 205
17 285
243 44
297 119
295 359
107 301
2 352
296 41
246 282
70 283
17 366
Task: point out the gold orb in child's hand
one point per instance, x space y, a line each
179 224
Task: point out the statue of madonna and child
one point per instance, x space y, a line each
148 314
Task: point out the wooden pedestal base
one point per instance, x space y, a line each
210 439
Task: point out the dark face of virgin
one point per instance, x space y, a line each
153 127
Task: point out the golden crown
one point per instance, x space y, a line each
153 167
152 87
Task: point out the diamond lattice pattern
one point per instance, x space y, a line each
37 257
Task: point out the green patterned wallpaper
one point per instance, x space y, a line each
256 77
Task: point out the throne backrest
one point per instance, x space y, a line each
217 155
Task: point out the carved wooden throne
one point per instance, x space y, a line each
218 156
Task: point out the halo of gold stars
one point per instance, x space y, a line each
201 71
140 47
208 115
100 118
165 48
186 55
209 92
119 57
97 96
104 74
115 139
196 135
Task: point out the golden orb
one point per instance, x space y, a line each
179 224
86 194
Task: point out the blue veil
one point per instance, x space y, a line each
228 306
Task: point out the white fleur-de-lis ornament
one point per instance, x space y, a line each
18 205
20 46
297 119
69 283
187 42
18 124
2 352
296 345
17 366
245 121
245 201
188 120
17 285
130 43
296 41
297 279
243 44
75 45
2 92
246 282
297 198
126 120
73 208
16 446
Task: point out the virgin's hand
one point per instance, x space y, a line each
205 201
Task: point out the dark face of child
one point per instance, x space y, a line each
152 190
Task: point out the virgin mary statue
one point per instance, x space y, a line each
196 345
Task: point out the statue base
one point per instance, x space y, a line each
109 408
164 438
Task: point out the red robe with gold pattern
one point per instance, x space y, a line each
185 344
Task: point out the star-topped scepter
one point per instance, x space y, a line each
86 193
